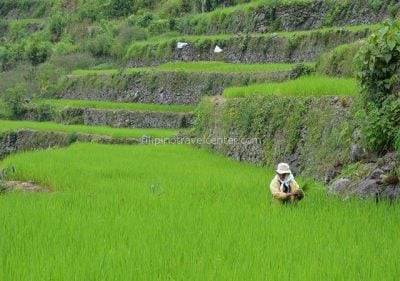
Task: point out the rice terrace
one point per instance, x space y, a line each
199 140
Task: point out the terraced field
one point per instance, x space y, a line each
304 86
174 212
204 66
7 125
179 212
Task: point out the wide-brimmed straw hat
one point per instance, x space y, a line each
283 168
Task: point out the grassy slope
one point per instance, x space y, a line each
177 213
203 66
192 38
95 130
114 105
314 85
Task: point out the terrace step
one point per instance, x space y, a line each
115 118
270 16
18 140
160 87
246 48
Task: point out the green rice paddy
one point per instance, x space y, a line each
61 103
202 66
6 125
166 39
172 212
313 85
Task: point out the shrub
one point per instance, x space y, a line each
171 9
339 61
4 59
377 63
100 45
16 99
120 8
381 126
73 61
144 20
37 52
57 23
397 142
65 47
158 27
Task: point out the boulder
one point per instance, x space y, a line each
391 193
330 175
376 174
368 188
339 186
356 153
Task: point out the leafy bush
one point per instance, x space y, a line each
37 51
381 126
339 61
65 47
120 8
4 58
73 61
158 27
172 9
57 23
100 45
378 65
16 99
397 142
378 61
144 20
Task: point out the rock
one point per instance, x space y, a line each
376 174
356 153
388 162
368 188
339 186
391 193
330 175
32 27
389 179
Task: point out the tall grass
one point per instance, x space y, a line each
178 213
313 85
114 105
202 66
168 38
6 125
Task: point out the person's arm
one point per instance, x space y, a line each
276 192
294 186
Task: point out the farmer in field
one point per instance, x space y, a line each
283 187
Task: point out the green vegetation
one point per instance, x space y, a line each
149 212
6 125
339 61
319 127
202 66
378 74
167 38
378 62
314 85
61 103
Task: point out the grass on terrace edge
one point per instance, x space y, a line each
168 37
60 103
313 85
124 133
202 66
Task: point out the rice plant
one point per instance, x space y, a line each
314 85
172 212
